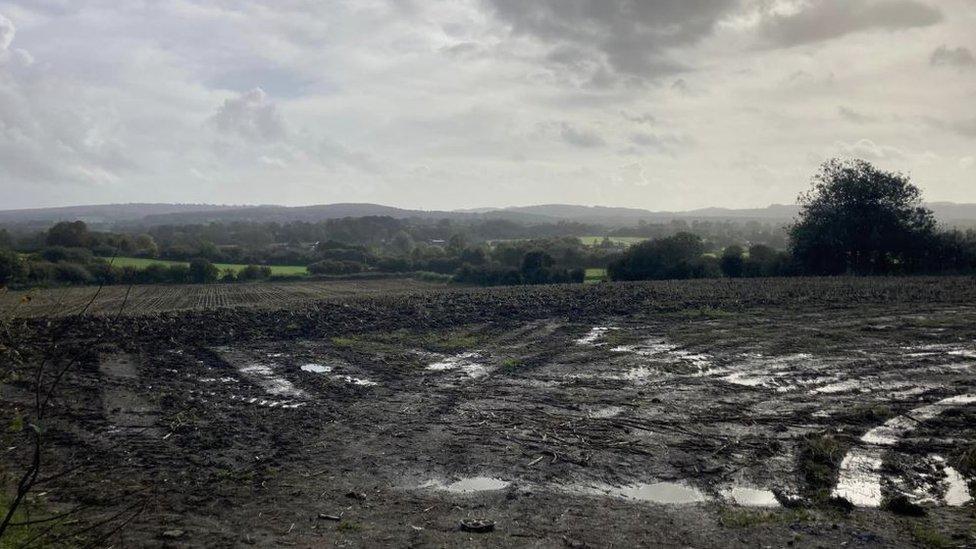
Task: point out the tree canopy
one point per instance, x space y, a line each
859 219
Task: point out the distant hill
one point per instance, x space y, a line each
110 215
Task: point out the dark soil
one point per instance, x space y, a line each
213 428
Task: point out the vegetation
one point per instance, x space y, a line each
856 219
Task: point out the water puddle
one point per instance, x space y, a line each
672 493
316 368
470 363
750 497
595 333
468 485
957 490
363 382
604 413
859 480
264 376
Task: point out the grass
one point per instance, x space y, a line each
595 275
820 456
142 263
737 517
928 537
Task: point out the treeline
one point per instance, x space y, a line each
855 220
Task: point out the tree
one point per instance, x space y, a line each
70 234
146 246
862 220
6 241
11 267
732 262
203 271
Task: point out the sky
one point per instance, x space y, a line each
444 104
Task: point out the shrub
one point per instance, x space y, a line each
72 273
333 267
254 272
202 271
178 273
732 263
674 257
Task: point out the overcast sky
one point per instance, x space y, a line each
437 104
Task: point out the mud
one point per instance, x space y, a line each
678 426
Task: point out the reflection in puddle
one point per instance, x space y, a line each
264 376
316 368
594 334
608 412
469 363
658 492
468 485
957 492
659 349
859 480
357 381
750 497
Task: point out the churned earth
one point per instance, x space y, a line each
716 422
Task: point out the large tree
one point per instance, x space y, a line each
859 219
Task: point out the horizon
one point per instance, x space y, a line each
666 106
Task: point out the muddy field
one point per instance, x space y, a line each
150 299
808 412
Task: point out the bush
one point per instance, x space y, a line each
177 273
333 267
732 263
254 272
202 271
72 273
674 257
54 254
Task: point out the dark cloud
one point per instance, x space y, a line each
250 115
632 36
826 19
960 57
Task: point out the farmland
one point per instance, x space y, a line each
706 413
142 263
156 298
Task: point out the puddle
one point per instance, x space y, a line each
896 428
264 376
859 480
469 363
750 497
659 349
603 413
957 490
659 492
468 485
357 381
316 368
594 334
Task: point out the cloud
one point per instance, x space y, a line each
856 117
960 57
821 20
251 116
632 37
7 32
583 138
869 150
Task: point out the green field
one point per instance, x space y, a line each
594 240
595 275
142 263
